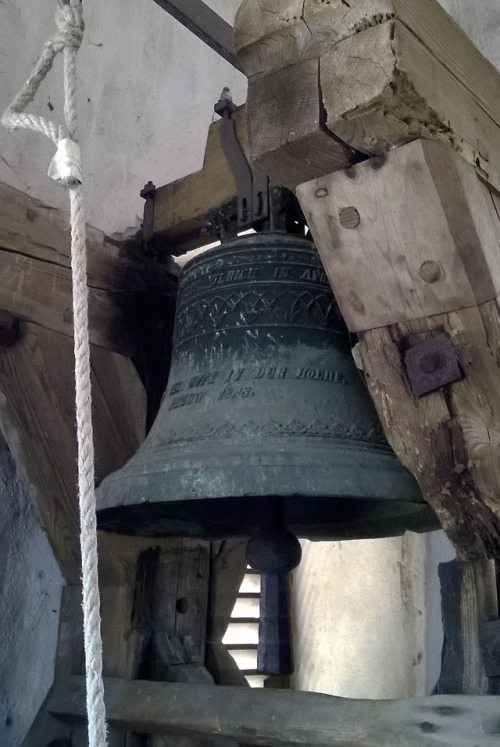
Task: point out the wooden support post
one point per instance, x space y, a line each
468 601
409 246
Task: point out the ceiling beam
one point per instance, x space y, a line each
208 26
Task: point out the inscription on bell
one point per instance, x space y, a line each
232 276
233 375
194 398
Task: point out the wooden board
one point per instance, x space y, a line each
37 417
412 234
181 206
35 275
397 90
298 145
390 71
283 717
468 600
450 438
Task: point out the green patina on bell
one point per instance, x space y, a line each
263 401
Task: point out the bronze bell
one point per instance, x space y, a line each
264 402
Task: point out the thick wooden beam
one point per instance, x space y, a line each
35 275
384 73
37 418
468 601
181 206
414 233
284 717
409 245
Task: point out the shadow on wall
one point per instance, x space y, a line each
30 593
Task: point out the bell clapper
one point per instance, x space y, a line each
274 551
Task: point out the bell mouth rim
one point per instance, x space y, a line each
358 519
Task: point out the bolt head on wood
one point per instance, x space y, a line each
431 365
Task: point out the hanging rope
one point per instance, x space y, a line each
66 169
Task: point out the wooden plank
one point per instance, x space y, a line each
397 90
40 292
181 595
410 235
468 600
450 438
297 146
390 71
35 275
489 639
181 206
37 417
274 717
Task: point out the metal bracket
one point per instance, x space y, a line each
431 365
252 184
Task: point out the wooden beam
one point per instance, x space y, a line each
468 601
274 717
409 243
432 226
389 71
37 418
208 26
35 275
182 206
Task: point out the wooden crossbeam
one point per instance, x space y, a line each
279 718
182 206
371 75
35 275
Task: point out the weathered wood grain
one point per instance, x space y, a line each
409 235
37 417
468 601
489 640
182 205
274 717
35 275
384 87
298 145
390 71
447 439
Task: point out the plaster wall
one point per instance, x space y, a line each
367 616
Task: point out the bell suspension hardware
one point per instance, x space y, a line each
252 198
431 365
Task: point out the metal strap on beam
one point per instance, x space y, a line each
208 26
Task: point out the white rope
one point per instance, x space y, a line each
69 19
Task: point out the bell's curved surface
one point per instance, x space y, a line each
263 401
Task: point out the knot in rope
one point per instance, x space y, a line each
69 21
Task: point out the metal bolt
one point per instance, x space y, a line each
148 192
431 362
